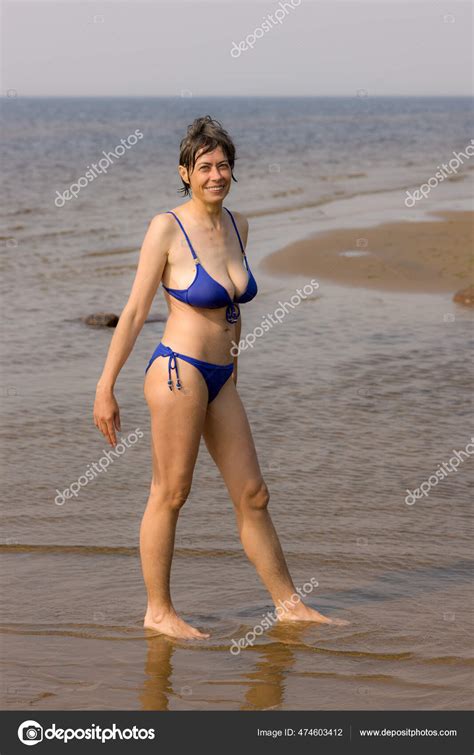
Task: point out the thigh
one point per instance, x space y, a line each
229 440
177 421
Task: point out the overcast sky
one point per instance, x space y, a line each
192 47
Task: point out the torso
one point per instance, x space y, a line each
196 331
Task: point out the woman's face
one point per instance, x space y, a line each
211 177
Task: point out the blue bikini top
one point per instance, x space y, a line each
206 292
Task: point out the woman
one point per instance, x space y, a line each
190 383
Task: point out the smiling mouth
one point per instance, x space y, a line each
215 188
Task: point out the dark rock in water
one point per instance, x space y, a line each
109 320
101 320
465 296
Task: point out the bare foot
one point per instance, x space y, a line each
171 625
304 613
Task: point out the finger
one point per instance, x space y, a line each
105 431
111 429
117 421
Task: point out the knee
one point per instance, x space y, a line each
255 496
171 495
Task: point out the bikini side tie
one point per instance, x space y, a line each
173 365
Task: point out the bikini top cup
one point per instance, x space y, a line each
206 292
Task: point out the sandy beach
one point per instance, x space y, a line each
428 257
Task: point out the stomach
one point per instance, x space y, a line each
200 333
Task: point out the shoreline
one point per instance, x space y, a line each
432 256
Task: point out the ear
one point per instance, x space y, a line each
183 172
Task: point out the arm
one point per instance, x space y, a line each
152 260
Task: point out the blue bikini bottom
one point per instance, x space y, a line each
215 375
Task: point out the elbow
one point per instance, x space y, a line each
134 315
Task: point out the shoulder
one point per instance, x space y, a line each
162 224
240 219
160 235
242 224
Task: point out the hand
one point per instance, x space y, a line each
107 414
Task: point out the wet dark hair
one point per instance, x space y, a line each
207 133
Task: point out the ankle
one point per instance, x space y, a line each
295 609
158 612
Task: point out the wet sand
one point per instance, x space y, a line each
428 257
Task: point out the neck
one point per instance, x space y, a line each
206 212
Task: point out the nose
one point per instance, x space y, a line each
215 174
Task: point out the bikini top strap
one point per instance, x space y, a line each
170 212
236 230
